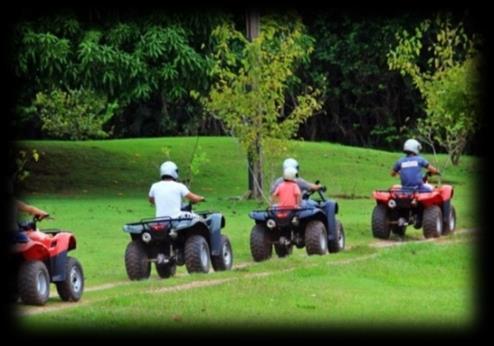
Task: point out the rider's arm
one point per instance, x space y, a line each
194 198
314 187
396 168
151 200
430 168
305 185
31 209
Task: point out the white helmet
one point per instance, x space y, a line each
289 173
169 168
412 146
290 163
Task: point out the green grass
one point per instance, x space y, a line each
93 188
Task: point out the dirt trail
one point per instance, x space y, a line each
56 306
380 243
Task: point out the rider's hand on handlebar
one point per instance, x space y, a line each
322 188
41 216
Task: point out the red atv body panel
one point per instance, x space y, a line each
42 246
435 197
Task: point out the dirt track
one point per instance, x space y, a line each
56 306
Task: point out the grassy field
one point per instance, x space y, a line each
93 188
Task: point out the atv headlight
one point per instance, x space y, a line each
271 223
392 203
146 237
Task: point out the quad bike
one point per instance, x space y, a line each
40 257
196 242
314 226
400 206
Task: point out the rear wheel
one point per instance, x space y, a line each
316 238
399 230
136 261
380 222
283 250
197 255
432 222
339 243
34 283
450 225
166 270
260 244
225 259
72 287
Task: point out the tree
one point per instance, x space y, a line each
76 114
252 79
449 81
148 59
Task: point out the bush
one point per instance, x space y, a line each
76 114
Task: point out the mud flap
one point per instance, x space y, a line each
57 267
214 222
329 208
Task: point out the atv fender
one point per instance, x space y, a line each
259 216
447 192
33 251
62 242
306 213
331 209
215 221
57 267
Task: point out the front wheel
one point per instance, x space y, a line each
225 259
72 287
166 270
450 225
339 243
283 250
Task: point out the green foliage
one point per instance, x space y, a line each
23 157
130 61
76 114
449 82
252 81
349 66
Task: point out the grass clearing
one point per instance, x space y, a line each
93 188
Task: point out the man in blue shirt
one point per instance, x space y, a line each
410 167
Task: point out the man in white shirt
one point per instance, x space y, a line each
167 194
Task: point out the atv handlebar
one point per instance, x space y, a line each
37 218
322 189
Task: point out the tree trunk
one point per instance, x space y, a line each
253 26
255 171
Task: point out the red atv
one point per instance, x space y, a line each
399 207
41 258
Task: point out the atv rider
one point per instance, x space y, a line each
304 185
410 167
287 194
19 235
36 212
167 194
